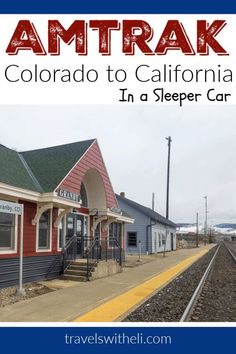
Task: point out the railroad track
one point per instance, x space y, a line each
214 299
184 299
231 246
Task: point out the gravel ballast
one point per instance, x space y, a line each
9 296
217 301
169 303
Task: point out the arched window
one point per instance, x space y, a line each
83 195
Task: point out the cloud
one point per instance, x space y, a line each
132 140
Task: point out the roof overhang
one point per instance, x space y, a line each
116 216
24 194
16 193
121 217
58 202
165 224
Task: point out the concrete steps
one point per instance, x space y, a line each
77 271
74 278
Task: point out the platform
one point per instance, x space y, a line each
107 299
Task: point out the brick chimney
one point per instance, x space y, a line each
122 194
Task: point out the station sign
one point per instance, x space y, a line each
10 208
69 195
16 209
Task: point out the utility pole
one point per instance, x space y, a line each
153 201
205 228
168 177
197 231
210 235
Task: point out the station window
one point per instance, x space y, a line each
163 239
159 239
115 234
44 231
132 239
7 231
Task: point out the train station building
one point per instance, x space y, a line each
150 232
66 192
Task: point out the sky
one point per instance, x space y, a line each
133 144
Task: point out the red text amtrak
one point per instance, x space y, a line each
137 35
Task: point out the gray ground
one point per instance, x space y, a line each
9 295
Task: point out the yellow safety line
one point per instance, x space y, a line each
118 306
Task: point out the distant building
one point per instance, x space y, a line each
217 237
150 231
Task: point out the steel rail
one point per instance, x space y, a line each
187 311
230 251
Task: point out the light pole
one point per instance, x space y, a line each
206 211
197 231
168 177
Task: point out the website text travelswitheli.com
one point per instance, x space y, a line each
138 338
143 82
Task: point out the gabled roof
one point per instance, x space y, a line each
153 215
40 170
12 170
52 164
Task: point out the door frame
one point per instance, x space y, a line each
83 233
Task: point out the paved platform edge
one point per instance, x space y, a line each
114 309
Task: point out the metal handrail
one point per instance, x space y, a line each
118 246
68 243
93 250
89 254
68 257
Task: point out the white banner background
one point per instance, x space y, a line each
102 91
